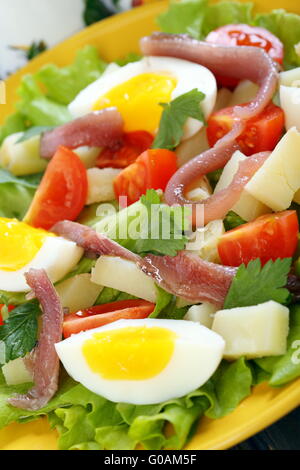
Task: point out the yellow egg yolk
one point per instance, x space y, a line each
19 243
138 100
132 353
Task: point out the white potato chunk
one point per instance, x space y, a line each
243 93
223 99
290 103
88 155
101 184
21 158
203 314
78 292
206 239
192 147
256 331
278 179
247 207
288 77
201 190
16 373
125 276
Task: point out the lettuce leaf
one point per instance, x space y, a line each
284 369
286 26
36 108
87 421
63 84
13 124
197 18
16 194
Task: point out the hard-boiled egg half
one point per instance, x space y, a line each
137 89
23 247
142 361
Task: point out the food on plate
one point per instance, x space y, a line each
142 362
149 231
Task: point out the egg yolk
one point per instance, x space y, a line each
132 353
138 100
19 243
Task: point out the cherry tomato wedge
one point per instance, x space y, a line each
62 193
245 35
9 307
132 145
262 133
151 170
269 237
101 315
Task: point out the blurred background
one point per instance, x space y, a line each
29 26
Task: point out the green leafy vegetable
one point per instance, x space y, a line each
286 26
198 18
34 131
36 108
109 295
175 115
12 298
84 266
184 17
128 59
10 414
232 220
13 124
226 13
164 227
19 332
63 84
163 299
255 285
214 177
148 226
16 193
284 369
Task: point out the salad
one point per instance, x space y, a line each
149 226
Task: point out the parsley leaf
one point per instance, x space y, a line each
19 332
162 228
175 115
233 220
254 284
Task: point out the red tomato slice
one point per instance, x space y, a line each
151 170
269 237
133 144
101 315
62 193
262 133
245 35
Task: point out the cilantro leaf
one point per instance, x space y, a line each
254 284
162 228
175 115
19 332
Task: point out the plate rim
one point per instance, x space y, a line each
289 398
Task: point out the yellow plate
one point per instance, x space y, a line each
115 37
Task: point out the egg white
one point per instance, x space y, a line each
188 74
197 354
57 256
